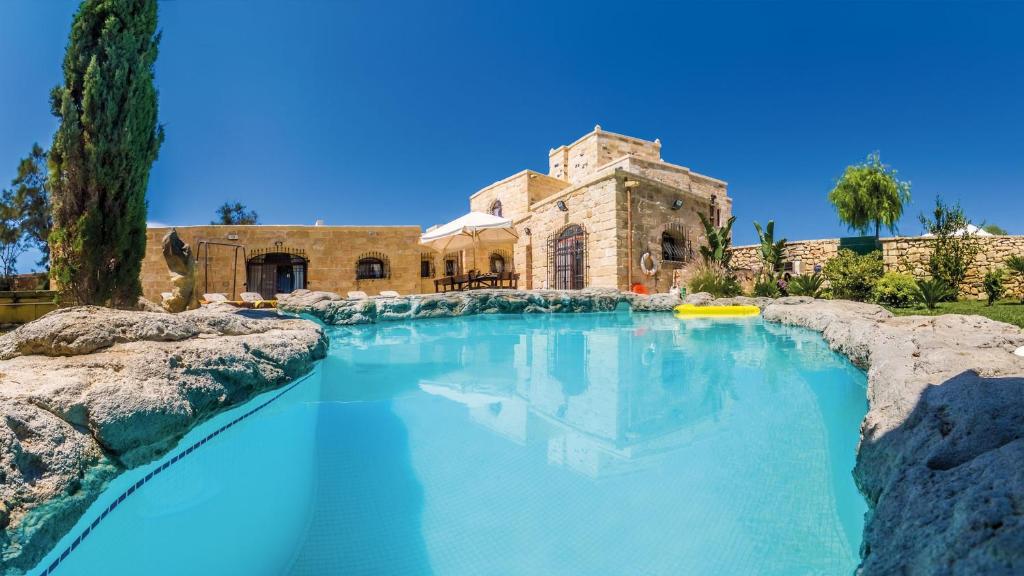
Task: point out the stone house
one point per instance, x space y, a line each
609 213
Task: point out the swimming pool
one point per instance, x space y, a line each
609 443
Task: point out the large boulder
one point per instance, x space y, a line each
941 458
182 268
86 393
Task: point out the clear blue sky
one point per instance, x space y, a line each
380 113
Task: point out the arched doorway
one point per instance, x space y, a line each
271 273
568 258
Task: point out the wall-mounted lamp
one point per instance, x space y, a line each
527 230
561 206
677 204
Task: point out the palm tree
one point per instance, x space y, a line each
718 238
771 250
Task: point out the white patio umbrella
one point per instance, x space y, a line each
469 231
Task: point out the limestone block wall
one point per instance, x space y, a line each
513 193
809 253
332 252
911 254
901 254
593 206
578 161
516 193
652 216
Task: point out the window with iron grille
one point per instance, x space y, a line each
675 244
567 258
427 266
372 266
499 261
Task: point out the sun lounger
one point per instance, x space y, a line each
215 297
357 295
388 294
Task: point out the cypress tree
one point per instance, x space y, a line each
103 150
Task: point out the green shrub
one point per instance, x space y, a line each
713 278
994 285
933 291
853 276
765 286
806 285
1016 265
895 289
954 248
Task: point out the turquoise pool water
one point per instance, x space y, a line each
565 444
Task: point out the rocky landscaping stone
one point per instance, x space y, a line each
86 393
941 458
333 309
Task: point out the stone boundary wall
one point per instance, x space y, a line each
900 254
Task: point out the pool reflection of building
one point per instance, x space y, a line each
614 416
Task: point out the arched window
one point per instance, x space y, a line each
497 263
372 266
567 258
496 208
671 251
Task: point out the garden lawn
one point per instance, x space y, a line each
1011 311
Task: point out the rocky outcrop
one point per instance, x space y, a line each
941 459
88 392
333 309
182 268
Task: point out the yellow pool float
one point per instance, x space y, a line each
691 311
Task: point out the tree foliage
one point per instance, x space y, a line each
995 229
12 239
103 150
235 213
719 238
32 201
954 248
870 194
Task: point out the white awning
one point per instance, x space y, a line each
469 230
